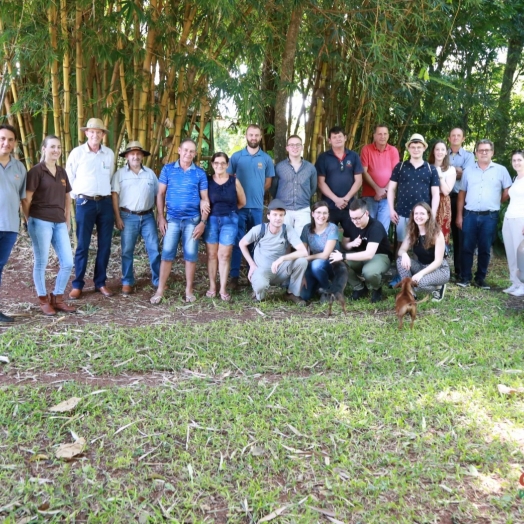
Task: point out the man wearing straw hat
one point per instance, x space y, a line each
89 168
134 188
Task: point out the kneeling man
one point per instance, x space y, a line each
369 252
272 264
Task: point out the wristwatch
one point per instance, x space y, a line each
204 222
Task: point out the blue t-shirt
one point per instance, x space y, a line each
317 243
339 173
252 171
183 190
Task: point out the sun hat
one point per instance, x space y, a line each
416 137
94 123
135 145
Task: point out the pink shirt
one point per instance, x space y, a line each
379 165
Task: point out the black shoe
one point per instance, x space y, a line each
482 284
439 295
5 318
463 283
376 295
360 293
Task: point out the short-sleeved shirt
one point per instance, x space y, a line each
414 185
339 173
183 190
270 247
223 197
462 159
89 172
136 191
294 188
12 190
49 193
252 171
374 232
317 243
484 187
379 164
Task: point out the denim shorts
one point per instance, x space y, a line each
222 230
181 230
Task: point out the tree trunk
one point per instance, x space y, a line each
79 74
286 77
66 66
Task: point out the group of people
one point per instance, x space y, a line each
448 196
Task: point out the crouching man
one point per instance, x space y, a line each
369 252
272 263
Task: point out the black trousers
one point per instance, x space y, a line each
456 235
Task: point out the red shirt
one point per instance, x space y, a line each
379 165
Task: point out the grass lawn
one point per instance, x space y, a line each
287 416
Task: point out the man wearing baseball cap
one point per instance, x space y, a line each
133 189
89 168
272 264
412 181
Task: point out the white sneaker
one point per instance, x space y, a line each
519 292
511 288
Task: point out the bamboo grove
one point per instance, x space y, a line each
157 70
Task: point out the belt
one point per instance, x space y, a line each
139 213
482 213
97 197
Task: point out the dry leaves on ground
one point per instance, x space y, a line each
66 405
68 451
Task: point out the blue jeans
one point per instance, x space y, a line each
89 213
134 225
318 274
247 218
181 230
45 234
7 241
477 231
379 210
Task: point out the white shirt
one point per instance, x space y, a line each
136 192
89 172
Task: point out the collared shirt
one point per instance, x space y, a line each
252 171
136 191
89 172
484 187
183 189
294 188
12 190
379 164
462 159
49 193
414 185
338 172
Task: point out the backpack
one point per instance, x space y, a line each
263 232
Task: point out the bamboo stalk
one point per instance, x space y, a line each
66 68
55 85
203 106
79 76
318 113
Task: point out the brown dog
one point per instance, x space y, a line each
405 302
334 297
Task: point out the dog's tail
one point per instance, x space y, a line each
425 299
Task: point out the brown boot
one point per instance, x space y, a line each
57 301
47 308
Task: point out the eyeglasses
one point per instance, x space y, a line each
294 145
358 219
220 164
484 151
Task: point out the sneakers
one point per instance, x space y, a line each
482 284
439 294
359 293
511 288
376 295
519 292
464 283
395 281
293 298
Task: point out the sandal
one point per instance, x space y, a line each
211 294
190 298
226 297
156 299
